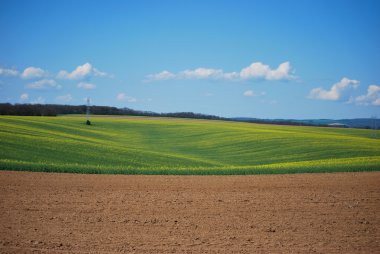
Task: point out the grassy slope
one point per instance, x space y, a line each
179 146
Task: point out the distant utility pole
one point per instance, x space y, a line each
88 112
374 126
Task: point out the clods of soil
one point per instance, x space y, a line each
301 213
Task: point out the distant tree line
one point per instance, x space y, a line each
55 109
281 122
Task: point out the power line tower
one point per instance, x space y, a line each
374 126
88 122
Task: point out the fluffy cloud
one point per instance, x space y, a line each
256 70
33 72
24 97
204 73
101 74
201 73
262 71
44 84
164 75
65 98
124 97
82 72
8 72
372 97
86 86
335 91
249 93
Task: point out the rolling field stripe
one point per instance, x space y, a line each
370 164
96 142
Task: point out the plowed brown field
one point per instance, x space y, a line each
74 213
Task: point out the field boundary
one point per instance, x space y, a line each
359 164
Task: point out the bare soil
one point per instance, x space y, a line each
74 213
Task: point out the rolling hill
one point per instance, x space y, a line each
155 145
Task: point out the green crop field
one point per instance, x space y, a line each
142 145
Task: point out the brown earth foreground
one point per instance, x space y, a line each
73 213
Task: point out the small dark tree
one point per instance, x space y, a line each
88 112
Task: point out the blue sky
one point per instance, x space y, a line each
266 59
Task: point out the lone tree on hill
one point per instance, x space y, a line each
88 122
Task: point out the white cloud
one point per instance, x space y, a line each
198 73
201 73
101 74
259 70
65 98
33 72
124 97
206 73
249 93
372 97
81 72
120 96
39 100
86 86
256 70
44 84
24 97
8 72
164 75
335 91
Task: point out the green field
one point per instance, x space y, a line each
142 145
